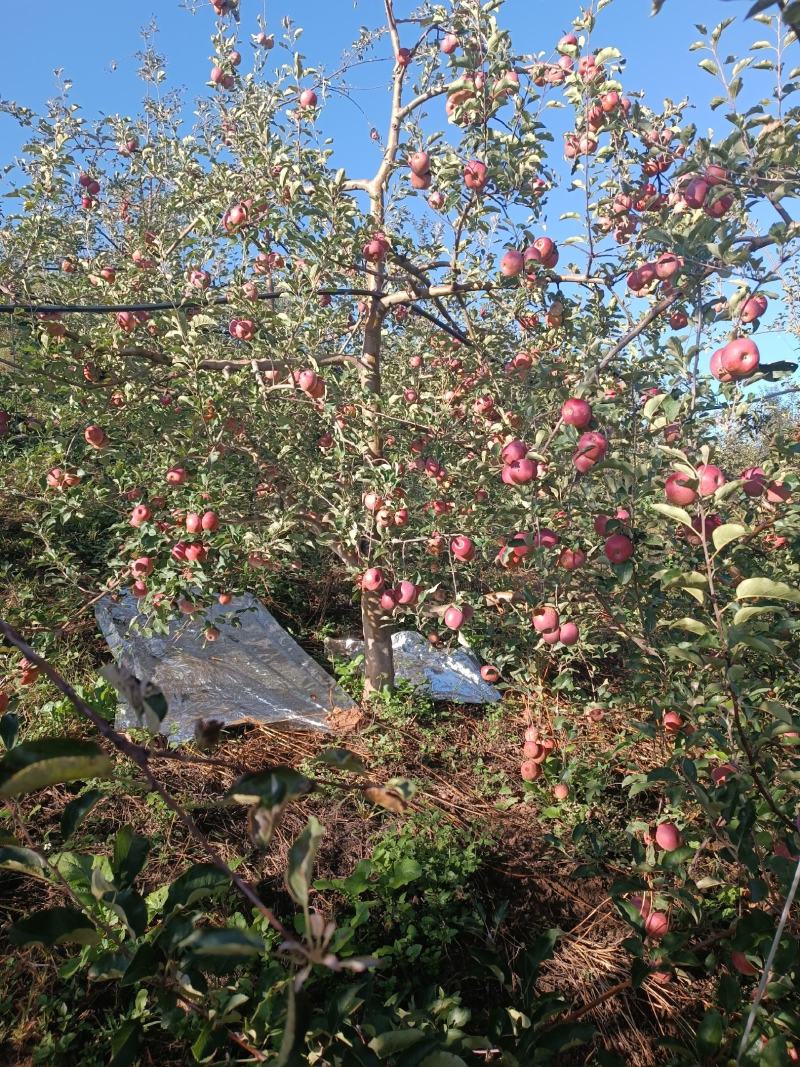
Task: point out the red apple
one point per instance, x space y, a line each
672 722
407 593
420 163
740 358
576 412
308 98
455 617
95 436
668 836
476 175
372 579
449 44
193 522
568 633
545 619
571 559
141 513
490 674
657 925
678 489
463 548
710 478
176 476
618 548
560 791
141 567
753 308
530 770
512 263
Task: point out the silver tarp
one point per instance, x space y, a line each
254 671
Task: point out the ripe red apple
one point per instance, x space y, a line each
476 175
420 163
778 492
719 207
695 193
576 412
195 553
678 319
4 701
138 588
372 579
514 451
568 633
404 57
618 548
592 447
463 548
521 471
571 559
530 770
740 358
449 44
141 567
141 513
667 265
710 478
721 774
95 436
490 674
307 98
193 522
742 964
388 600
545 619
678 489
657 925
668 836
209 521
754 481
436 200
224 598
373 502
455 617
560 791
407 593
753 308
176 475
672 722
512 263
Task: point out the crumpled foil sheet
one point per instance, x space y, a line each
253 672
454 677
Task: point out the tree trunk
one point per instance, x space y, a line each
378 658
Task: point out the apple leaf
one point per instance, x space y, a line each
37 764
669 511
729 531
751 587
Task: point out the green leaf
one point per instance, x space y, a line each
692 625
130 853
391 1042
766 587
77 810
709 65
54 926
710 1033
275 785
144 965
744 614
9 729
125 1045
675 514
404 871
201 880
25 860
37 764
301 861
729 531
343 759
223 943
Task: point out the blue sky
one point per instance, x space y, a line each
95 44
